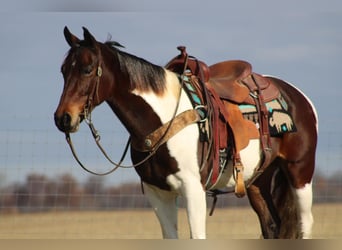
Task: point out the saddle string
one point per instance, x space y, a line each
97 137
68 139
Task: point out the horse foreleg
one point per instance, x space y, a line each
190 187
165 206
196 207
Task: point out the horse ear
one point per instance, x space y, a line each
70 38
88 38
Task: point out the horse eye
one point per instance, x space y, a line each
87 70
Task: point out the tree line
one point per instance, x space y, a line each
41 193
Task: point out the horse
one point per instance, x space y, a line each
146 97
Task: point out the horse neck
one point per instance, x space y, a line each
143 111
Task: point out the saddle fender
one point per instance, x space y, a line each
243 130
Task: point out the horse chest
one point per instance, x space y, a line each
178 156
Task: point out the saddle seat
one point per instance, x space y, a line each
234 81
225 78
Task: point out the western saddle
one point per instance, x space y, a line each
229 84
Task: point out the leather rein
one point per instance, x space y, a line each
161 140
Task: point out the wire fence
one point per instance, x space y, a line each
38 174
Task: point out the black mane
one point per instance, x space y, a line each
143 75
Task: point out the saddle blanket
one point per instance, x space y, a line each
279 119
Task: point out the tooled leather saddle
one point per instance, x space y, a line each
229 84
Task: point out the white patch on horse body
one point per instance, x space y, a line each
303 198
250 158
183 145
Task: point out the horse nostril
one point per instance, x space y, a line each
66 120
63 122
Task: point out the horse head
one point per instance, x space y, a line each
81 71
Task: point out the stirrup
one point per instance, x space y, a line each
240 190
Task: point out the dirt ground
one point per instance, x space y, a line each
228 223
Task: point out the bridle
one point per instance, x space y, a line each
88 119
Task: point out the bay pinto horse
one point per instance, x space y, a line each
145 96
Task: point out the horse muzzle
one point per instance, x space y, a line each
66 123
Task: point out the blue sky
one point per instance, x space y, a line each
298 41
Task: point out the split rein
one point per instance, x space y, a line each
97 137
